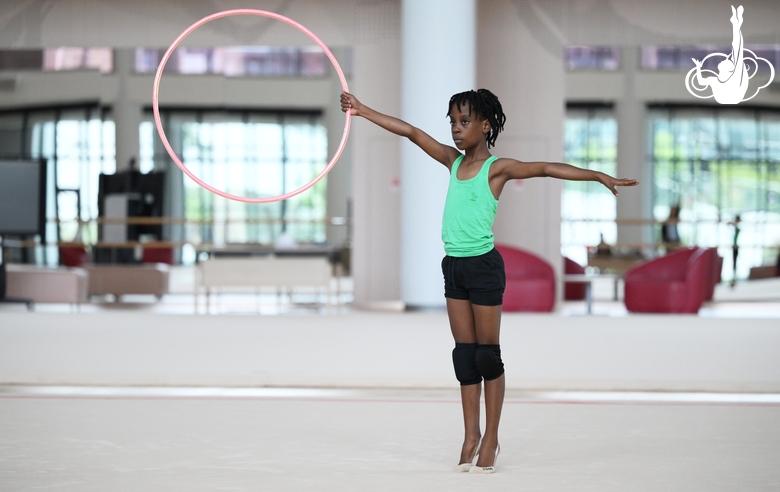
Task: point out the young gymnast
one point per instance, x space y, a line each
474 277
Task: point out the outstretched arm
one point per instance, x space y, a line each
442 153
513 169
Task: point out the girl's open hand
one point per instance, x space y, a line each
350 103
613 183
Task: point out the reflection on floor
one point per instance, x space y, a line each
268 305
382 394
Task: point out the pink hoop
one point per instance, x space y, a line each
167 145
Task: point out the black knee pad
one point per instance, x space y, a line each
488 361
463 358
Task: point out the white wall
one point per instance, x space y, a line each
376 170
528 81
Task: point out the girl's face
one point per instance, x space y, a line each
467 129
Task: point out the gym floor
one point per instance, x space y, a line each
379 440
130 397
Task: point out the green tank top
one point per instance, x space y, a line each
469 212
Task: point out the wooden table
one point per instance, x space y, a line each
615 263
264 271
588 279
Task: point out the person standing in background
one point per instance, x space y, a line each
735 248
669 234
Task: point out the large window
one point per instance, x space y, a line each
248 153
588 209
78 144
57 59
717 163
680 57
592 58
238 61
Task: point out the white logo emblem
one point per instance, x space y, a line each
730 84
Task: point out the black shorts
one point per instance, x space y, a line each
479 279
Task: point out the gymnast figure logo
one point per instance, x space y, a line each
730 84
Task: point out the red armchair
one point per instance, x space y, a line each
573 291
74 255
158 255
716 267
675 283
530 281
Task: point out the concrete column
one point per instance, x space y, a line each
631 116
438 59
339 183
127 112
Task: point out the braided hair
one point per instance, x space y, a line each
486 106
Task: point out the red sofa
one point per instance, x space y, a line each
675 283
530 281
716 267
573 291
